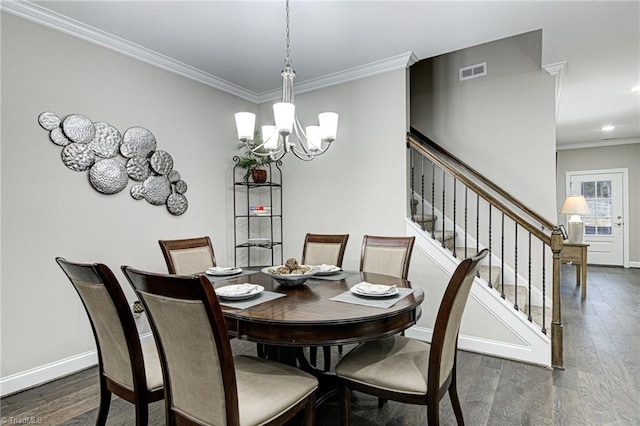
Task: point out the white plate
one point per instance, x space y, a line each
392 292
327 270
221 272
221 293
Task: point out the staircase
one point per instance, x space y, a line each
459 212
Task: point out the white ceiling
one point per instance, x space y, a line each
243 43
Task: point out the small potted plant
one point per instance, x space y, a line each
253 164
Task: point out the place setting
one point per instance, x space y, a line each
244 295
218 273
375 295
332 273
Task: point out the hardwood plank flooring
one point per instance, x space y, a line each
600 384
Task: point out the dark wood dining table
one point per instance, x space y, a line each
307 317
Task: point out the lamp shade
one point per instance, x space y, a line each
328 125
245 123
314 143
284 114
575 204
270 138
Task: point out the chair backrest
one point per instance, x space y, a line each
195 353
327 249
188 256
112 322
444 342
386 255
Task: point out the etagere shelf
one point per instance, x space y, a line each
257 233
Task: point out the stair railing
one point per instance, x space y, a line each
438 171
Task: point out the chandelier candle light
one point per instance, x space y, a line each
575 205
279 139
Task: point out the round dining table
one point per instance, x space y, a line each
306 316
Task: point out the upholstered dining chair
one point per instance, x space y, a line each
128 367
188 256
408 370
324 249
386 255
205 384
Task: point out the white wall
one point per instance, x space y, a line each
503 124
607 157
49 210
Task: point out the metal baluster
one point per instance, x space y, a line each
478 228
529 317
454 217
422 191
433 199
466 232
444 191
544 300
502 257
490 281
515 289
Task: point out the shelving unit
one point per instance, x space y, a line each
248 227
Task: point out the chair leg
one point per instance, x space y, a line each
340 349
381 402
326 353
345 404
455 403
313 355
142 413
433 412
310 411
105 402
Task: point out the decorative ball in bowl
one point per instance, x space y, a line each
286 275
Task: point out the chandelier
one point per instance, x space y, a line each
288 135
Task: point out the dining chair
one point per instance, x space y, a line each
128 367
386 255
409 370
204 383
327 249
188 256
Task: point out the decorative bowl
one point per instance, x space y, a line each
289 279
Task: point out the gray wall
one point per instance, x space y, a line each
502 124
607 157
49 210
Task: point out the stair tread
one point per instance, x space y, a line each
424 218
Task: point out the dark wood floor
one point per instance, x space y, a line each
600 384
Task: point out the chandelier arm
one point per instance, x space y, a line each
255 150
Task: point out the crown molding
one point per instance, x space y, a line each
597 144
45 17
401 61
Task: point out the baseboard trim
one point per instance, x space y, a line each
52 371
45 373
634 264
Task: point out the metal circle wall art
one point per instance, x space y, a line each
94 147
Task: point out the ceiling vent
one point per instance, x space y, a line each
473 71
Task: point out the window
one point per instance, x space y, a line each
598 196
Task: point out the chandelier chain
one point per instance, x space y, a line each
287 61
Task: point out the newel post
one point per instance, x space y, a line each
556 315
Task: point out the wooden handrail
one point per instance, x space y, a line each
418 138
415 144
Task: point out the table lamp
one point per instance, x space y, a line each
575 205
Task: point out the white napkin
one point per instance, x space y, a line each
365 287
217 269
327 268
236 289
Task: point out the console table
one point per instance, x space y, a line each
576 254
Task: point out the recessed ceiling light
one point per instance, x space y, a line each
607 128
